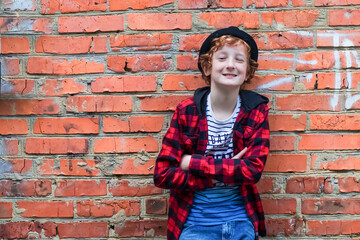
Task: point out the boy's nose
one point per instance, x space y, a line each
230 63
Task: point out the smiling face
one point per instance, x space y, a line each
229 66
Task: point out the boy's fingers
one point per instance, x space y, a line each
240 154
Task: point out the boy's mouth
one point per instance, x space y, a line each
229 75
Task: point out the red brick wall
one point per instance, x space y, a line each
88 89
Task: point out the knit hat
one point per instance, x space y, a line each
233 31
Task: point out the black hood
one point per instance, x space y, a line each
249 99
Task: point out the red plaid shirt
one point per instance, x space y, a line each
188 134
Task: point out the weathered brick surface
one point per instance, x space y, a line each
88 89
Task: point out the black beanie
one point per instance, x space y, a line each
233 31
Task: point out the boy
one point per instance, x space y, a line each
216 147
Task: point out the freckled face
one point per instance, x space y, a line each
229 66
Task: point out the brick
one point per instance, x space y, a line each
330 142
10 66
156 206
13 126
77 188
72 6
61 87
352 101
91 24
83 230
267 3
117 63
69 167
282 143
268 185
271 82
348 59
71 45
309 185
135 167
327 80
159 21
330 206
197 4
56 145
120 5
15 87
286 163
42 209
333 227
22 230
5 210
20 6
284 227
26 25
334 163
226 19
279 206
282 61
96 209
9 146
99 104
151 63
66 126
161 103
125 145
284 40
162 41
28 106
132 188
187 62
327 3
315 61
124 84
342 122
133 124
20 166
287 122
191 43
307 102
182 82
62 66
142 228
298 3
292 19
338 38
349 184
25 188
14 45
344 17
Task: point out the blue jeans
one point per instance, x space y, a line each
234 230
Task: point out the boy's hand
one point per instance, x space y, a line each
185 162
240 154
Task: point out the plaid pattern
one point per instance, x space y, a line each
187 134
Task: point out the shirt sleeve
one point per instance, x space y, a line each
249 168
167 173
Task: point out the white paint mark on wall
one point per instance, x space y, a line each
276 58
276 82
5 166
334 101
311 62
6 87
303 33
350 100
20 5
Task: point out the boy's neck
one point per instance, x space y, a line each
223 103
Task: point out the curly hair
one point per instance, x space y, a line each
216 44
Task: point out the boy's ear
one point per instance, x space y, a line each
206 70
